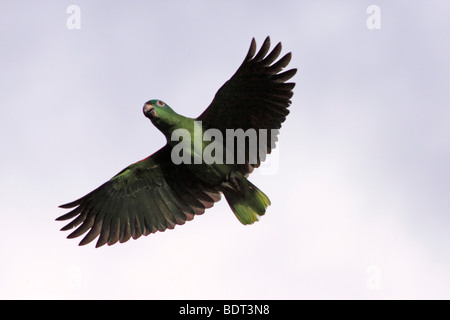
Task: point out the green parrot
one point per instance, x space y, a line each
157 193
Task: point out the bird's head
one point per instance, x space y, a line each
160 114
157 109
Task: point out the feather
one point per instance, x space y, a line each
263 51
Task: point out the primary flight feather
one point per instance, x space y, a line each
155 193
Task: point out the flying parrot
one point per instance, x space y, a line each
156 193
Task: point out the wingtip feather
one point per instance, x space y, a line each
251 50
263 50
69 205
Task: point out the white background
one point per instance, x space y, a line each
360 205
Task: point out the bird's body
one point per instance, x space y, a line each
247 201
190 172
192 144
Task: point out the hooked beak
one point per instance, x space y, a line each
149 111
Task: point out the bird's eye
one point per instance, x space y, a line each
160 103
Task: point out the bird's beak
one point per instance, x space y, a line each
149 111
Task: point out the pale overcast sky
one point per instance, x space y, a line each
359 186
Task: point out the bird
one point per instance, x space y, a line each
160 191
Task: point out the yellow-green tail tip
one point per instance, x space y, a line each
248 206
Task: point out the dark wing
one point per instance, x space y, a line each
257 96
148 196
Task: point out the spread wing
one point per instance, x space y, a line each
148 196
256 96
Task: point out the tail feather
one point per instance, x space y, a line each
248 205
